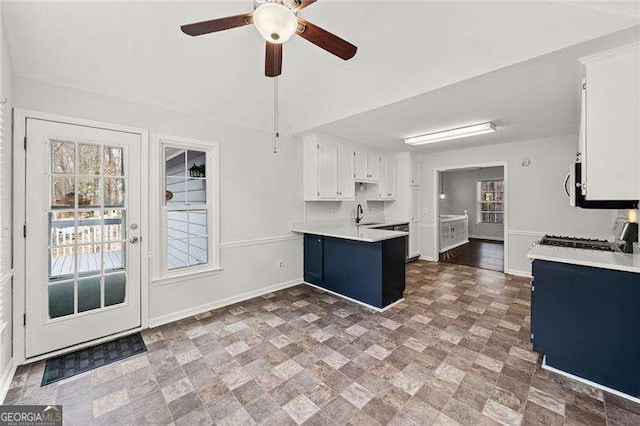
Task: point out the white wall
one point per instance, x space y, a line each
461 189
537 204
260 193
6 83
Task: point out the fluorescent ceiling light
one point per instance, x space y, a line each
461 132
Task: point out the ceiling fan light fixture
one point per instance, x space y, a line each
275 22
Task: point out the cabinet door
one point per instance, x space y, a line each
415 205
415 171
327 170
374 166
613 125
392 178
384 178
414 239
313 258
361 165
346 183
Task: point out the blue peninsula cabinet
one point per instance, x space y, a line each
369 272
586 321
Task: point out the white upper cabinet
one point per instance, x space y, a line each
346 184
367 166
387 188
415 170
328 170
610 145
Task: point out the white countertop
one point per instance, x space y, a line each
349 231
594 258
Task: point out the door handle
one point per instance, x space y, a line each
134 240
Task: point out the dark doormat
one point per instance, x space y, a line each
68 365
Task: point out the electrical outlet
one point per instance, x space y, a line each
280 264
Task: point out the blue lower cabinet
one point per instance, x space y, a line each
587 322
372 273
313 258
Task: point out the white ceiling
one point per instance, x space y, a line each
135 51
533 99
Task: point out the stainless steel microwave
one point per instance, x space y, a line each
572 187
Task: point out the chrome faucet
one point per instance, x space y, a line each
359 213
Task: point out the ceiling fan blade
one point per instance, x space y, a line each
273 60
215 25
303 4
325 40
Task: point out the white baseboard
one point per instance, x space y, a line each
366 305
525 274
588 382
6 378
185 313
484 237
428 258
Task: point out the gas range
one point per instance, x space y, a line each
579 243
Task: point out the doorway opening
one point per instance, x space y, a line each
472 216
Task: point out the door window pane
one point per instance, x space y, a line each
89 294
113 161
62 264
114 256
114 192
89 229
114 225
60 299
89 260
88 192
114 289
89 159
63 157
61 228
63 192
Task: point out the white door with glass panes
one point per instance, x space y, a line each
188 225
83 234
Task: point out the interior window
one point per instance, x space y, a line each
490 201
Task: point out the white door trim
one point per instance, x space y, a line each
19 218
436 203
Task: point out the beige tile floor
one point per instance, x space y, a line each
456 351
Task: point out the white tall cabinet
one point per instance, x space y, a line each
387 189
610 128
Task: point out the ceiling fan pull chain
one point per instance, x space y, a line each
276 133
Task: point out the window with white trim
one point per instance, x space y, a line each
490 201
189 207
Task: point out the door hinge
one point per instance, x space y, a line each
318 146
318 193
24 319
24 231
532 337
533 288
25 143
